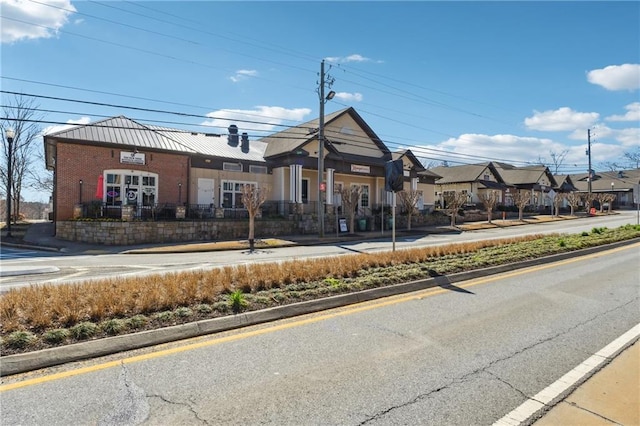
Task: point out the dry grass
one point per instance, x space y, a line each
39 309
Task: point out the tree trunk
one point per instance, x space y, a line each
489 216
409 221
520 210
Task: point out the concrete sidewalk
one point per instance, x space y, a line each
610 397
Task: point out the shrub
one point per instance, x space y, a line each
113 326
203 308
137 321
183 312
57 335
237 301
562 243
20 339
165 316
84 330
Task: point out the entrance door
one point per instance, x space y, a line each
206 188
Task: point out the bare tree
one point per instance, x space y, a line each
19 114
409 201
253 197
588 201
601 197
521 198
557 158
350 197
453 201
574 199
489 199
610 166
557 200
633 157
610 198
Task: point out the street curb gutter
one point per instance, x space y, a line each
21 363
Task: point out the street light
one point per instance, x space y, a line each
9 133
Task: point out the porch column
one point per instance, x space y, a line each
329 188
295 183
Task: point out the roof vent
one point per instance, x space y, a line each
245 143
233 135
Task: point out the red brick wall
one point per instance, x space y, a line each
75 162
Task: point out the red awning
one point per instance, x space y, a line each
100 189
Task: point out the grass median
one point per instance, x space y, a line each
42 316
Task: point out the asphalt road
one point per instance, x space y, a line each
83 267
463 355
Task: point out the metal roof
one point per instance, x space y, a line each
214 145
122 131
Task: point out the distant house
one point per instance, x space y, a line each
625 184
470 179
536 178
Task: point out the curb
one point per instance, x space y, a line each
21 363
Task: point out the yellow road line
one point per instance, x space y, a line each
337 312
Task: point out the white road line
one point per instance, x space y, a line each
532 405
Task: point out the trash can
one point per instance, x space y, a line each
362 224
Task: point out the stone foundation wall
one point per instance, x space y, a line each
120 233
131 233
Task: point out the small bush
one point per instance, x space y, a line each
562 243
20 339
204 308
221 307
333 282
55 336
165 316
113 326
183 312
237 301
84 330
584 234
137 321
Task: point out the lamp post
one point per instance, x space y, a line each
9 133
80 186
321 183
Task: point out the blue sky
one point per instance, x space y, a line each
463 82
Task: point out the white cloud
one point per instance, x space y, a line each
71 123
629 137
350 58
44 21
616 77
242 75
260 119
633 113
349 97
562 119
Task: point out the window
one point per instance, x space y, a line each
232 167
131 188
364 196
305 191
232 193
259 170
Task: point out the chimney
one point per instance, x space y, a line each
233 135
245 143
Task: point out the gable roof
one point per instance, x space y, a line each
294 138
465 173
526 175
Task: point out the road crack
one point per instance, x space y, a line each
485 368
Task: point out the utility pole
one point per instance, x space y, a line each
589 177
321 182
